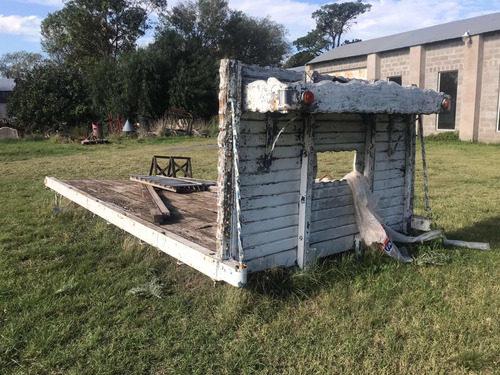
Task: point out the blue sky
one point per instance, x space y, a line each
20 19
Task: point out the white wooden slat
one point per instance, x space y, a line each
388 184
330 192
390 193
321 204
359 147
337 117
279 152
286 258
381 157
394 220
257 166
252 127
388 174
334 222
339 127
269 224
259 214
270 248
390 211
269 178
390 202
253 116
270 189
262 238
384 137
390 165
334 246
383 146
339 138
250 203
383 125
331 213
329 234
259 140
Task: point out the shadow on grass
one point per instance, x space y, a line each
483 231
286 283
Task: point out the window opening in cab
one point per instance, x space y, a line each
333 165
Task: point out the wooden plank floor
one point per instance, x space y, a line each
192 215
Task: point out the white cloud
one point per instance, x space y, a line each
20 25
49 3
385 18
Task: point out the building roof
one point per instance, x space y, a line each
445 31
7 84
301 68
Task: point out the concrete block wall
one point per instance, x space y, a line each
442 57
490 92
395 63
338 65
478 95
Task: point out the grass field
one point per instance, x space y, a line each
78 296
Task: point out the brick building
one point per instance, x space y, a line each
460 58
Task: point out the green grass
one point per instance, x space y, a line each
78 296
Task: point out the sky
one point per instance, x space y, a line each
20 19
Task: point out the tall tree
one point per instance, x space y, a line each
332 22
48 98
16 63
204 32
86 31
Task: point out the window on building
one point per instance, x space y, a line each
4 95
448 83
498 114
397 79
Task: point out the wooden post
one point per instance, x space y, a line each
371 129
304 255
409 172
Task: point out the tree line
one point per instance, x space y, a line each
94 67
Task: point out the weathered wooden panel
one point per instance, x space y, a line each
332 233
359 147
250 203
334 246
388 184
339 138
270 189
381 157
262 238
390 165
270 248
390 211
269 178
321 204
286 258
323 190
264 225
337 129
260 140
264 213
390 202
333 222
330 213
257 166
279 152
